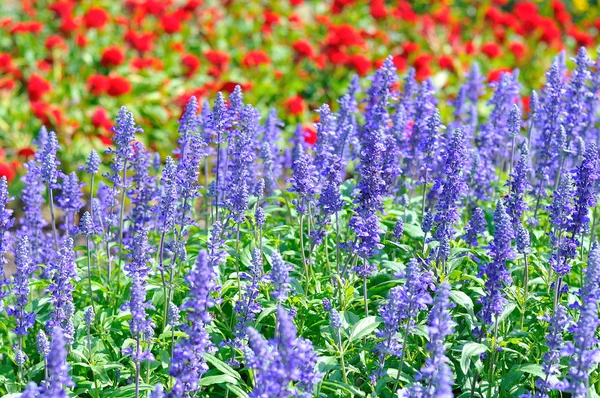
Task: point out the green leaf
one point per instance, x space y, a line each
336 386
218 379
222 366
363 328
469 350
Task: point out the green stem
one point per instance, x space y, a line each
404 343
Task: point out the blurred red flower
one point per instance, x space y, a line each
309 135
294 105
62 8
191 63
55 41
100 119
344 35
255 58
98 84
171 23
410 47
400 62
494 74
303 48
378 10
446 62
518 49
37 86
219 59
118 85
112 56
141 41
27 27
48 115
360 63
96 17
26 152
7 83
271 18
491 50
7 170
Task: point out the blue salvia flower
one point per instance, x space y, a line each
88 316
557 325
242 157
280 277
500 251
576 93
157 392
477 227
69 200
188 126
453 188
6 222
168 197
138 269
561 211
465 103
188 169
215 245
42 343
58 368
92 164
403 305
124 134
427 222
585 177
429 146
61 292
31 391
522 240
20 289
434 380
248 306
188 363
549 118
143 188
583 350
284 366
519 185
326 130
424 106
399 228
173 316
592 102
49 161
330 201
32 222
303 182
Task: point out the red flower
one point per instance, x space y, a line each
178 46
62 8
69 25
228 87
410 47
6 170
294 3
491 49
7 83
6 63
98 84
526 103
405 12
295 105
27 27
399 62
271 18
48 115
518 49
117 86
446 62
582 38
96 17
495 74
55 41
560 13
339 5
310 135
219 59
422 66
26 152
37 87
255 58
105 140
44 65
81 40
344 35
303 48
191 63
112 56
100 119
171 23
139 40
145 63
360 63
378 10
